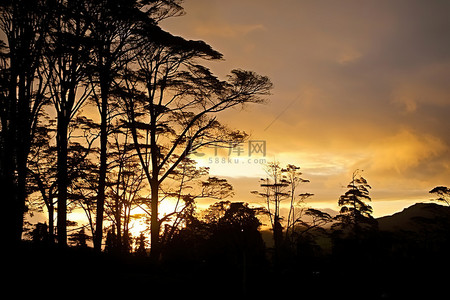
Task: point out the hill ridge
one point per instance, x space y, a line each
406 220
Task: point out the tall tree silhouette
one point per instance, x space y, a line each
42 172
292 175
114 25
42 167
274 191
355 212
125 185
109 33
282 185
81 163
67 58
171 102
24 23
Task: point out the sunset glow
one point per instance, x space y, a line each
250 149
357 85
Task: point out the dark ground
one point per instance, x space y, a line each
407 257
33 271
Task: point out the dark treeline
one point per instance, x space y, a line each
101 112
224 251
100 106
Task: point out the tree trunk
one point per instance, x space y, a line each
24 131
51 225
14 215
154 221
21 190
62 144
155 249
103 167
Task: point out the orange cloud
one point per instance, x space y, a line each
371 83
401 152
223 30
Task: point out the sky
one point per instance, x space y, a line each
357 85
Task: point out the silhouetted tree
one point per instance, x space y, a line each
79 239
275 190
111 28
442 193
189 243
42 168
115 34
40 234
354 210
25 26
281 185
115 245
355 227
224 237
292 175
42 174
82 179
317 219
309 227
236 242
182 186
111 241
190 184
113 52
141 248
125 183
174 114
67 57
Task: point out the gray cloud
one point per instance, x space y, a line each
372 78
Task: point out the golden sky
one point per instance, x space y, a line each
357 84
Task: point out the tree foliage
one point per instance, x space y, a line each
281 185
442 194
355 211
112 55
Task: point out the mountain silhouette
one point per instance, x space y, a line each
416 218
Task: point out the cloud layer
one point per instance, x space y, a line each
358 84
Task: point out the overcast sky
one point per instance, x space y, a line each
357 84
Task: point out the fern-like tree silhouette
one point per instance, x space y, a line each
355 211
